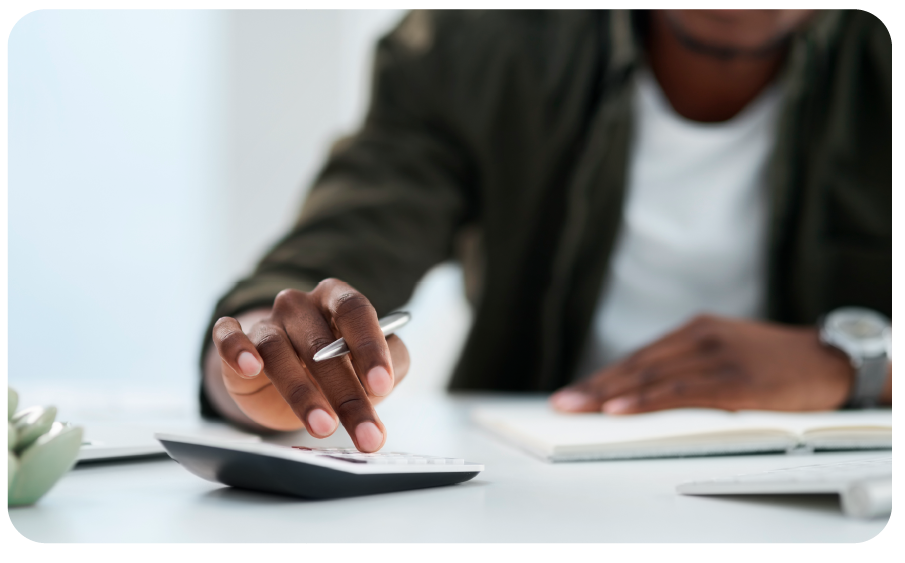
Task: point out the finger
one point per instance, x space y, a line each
285 370
697 391
307 331
236 350
651 363
264 404
400 356
620 378
661 353
356 321
401 362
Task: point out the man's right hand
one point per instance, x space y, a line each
270 375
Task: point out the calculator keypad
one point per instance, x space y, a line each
381 458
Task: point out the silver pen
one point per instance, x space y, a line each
388 325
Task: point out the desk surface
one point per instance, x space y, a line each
516 499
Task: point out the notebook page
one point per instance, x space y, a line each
538 427
802 422
541 423
842 430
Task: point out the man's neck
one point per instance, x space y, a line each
703 86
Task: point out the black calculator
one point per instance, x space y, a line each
315 473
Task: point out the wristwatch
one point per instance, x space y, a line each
864 336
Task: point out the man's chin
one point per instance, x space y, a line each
725 34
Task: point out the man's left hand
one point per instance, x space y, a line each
715 362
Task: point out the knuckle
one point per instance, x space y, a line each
351 304
299 392
648 374
326 284
368 346
232 340
272 344
223 322
350 405
709 343
705 336
286 298
223 328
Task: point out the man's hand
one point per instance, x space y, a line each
719 363
270 374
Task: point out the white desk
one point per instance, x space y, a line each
516 499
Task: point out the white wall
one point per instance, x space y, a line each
152 157
115 148
297 80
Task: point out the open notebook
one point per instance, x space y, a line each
540 430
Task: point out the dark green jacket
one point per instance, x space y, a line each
501 138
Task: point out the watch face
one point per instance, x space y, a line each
860 332
861 327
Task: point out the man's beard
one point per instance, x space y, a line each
728 53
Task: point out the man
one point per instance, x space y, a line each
605 177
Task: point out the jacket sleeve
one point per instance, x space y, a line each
386 205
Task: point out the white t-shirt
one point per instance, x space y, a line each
694 224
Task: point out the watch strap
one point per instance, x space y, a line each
869 379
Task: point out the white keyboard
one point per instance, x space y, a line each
379 458
864 487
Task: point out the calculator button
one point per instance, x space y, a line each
344 458
437 461
417 461
455 461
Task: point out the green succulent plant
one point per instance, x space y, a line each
39 451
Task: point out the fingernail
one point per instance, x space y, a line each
321 423
248 364
618 405
368 436
379 381
570 400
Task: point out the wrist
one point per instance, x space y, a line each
862 336
844 374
